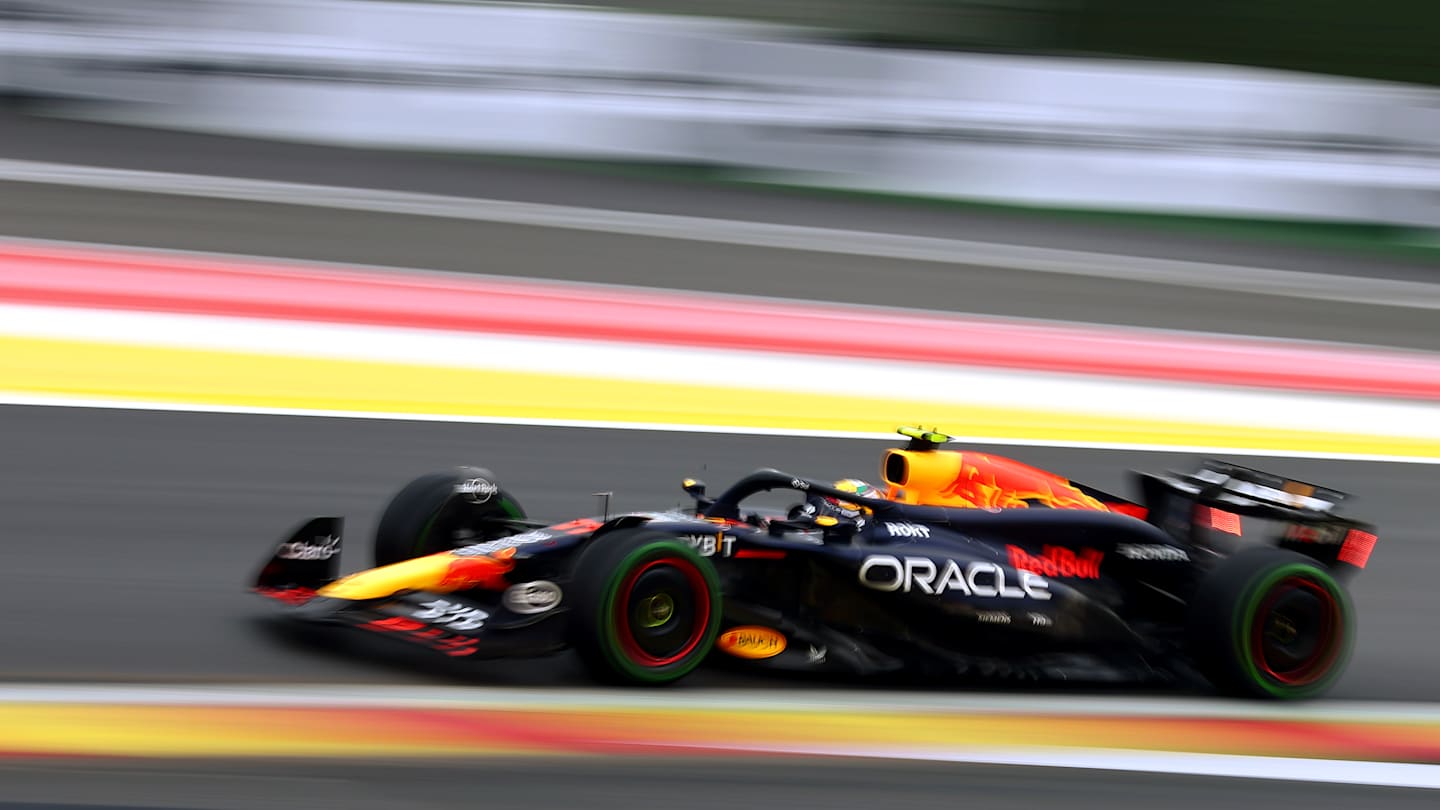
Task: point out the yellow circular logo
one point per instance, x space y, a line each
752 642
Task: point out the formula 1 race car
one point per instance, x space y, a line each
963 565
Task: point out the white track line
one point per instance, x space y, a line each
1232 766
1229 278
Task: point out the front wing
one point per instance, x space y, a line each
418 601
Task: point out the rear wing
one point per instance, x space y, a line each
1249 489
1221 507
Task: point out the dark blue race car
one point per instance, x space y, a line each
961 566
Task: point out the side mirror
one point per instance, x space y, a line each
695 488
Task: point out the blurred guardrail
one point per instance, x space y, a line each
775 100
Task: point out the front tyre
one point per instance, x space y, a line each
431 514
646 607
1271 623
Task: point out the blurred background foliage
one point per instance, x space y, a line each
1396 40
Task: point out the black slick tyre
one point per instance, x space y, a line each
425 516
645 607
1271 623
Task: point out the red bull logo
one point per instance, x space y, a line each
1058 561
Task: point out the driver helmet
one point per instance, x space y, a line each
826 506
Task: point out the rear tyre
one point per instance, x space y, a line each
430 515
1271 623
646 607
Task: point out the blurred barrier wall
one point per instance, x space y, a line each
1124 135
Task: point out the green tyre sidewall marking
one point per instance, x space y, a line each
1246 624
422 539
511 508
421 496
609 632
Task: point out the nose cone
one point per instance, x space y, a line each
436 573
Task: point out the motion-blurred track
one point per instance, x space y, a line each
129 536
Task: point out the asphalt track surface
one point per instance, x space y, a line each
26 137
129 535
